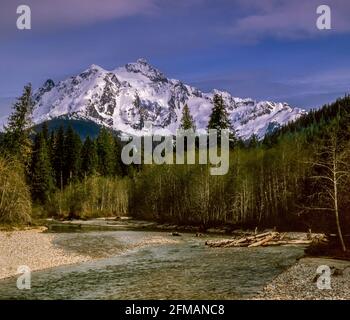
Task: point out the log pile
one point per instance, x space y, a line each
263 239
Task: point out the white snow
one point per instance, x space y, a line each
108 98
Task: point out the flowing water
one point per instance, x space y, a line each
154 265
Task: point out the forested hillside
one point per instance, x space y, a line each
296 178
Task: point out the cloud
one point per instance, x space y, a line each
284 19
324 81
63 13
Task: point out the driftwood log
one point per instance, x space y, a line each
263 239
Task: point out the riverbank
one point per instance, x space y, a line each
39 250
32 248
177 267
299 282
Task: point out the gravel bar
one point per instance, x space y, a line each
299 282
34 249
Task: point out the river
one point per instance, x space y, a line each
154 265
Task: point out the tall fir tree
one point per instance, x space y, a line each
16 140
41 174
119 166
219 120
45 131
58 152
89 158
50 147
187 121
72 148
219 117
105 152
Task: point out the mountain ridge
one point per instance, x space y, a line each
124 98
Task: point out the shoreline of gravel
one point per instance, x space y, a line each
32 248
299 282
37 250
40 250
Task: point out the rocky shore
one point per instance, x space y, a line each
299 282
39 250
34 249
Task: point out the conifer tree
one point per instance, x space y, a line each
50 147
119 166
105 152
219 118
16 140
58 151
89 159
45 131
41 179
72 148
187 121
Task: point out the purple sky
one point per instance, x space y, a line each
262 49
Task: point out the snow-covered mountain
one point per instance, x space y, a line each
124 98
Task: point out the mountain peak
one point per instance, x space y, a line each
143 67
94 67
142 61
123 99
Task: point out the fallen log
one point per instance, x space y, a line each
299 241
264 234
286 242
263 239
243 242
261 242
218 243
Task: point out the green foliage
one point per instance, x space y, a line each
219 117
15 202
41 174
311 125
72 148
119 167
271 183
93 197
16 140
187 121
260 189
58 156
89 159
106 152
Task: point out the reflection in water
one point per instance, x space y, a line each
164 269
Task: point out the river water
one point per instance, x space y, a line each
154 265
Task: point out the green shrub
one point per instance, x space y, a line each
15 201
93 197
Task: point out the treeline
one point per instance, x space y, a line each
262 188
296 178
61 158
56 173
311 124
